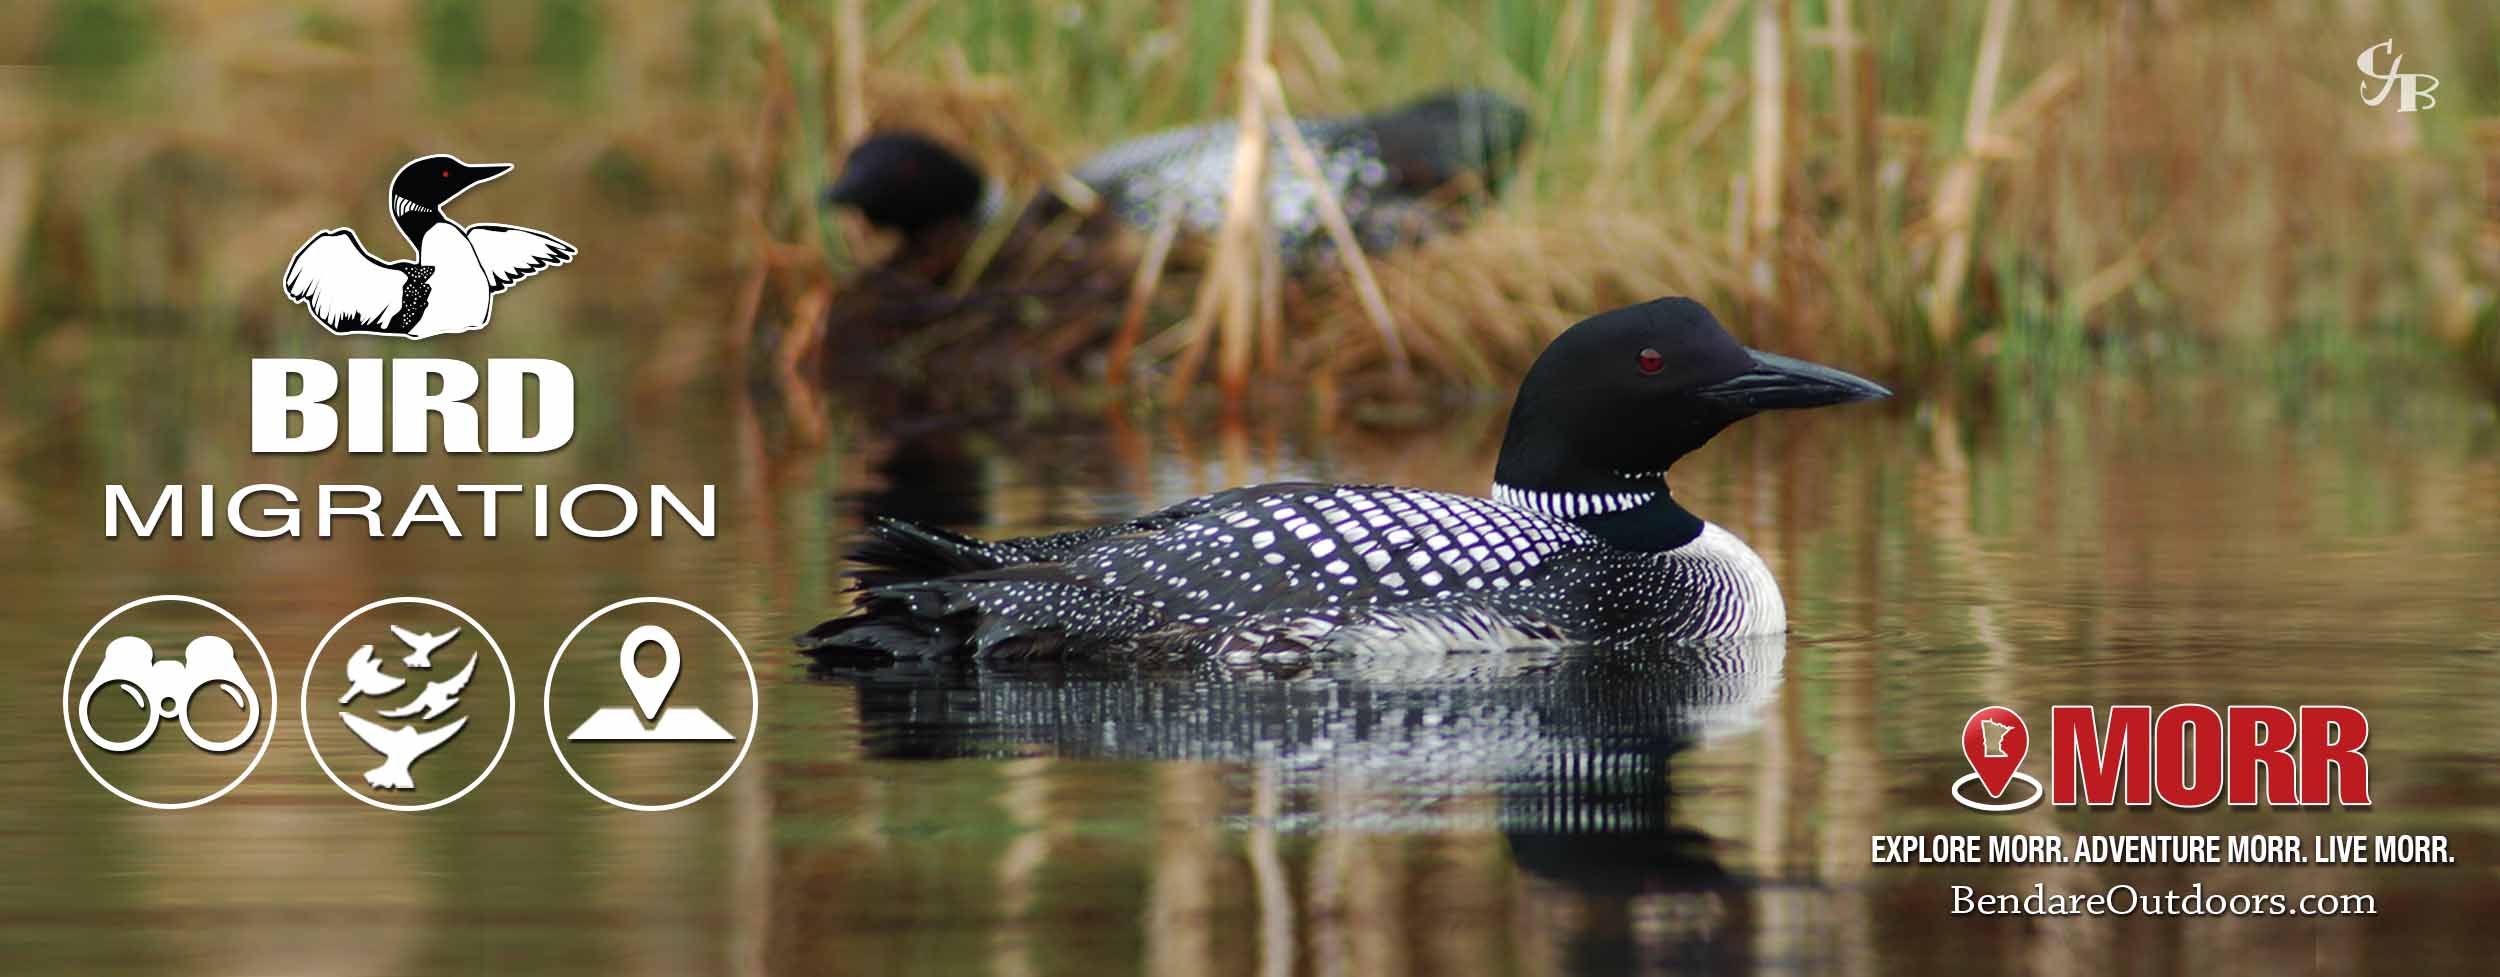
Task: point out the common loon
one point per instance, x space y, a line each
1581 541
1388 170
451 285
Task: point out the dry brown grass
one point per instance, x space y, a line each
1832 176
2016 183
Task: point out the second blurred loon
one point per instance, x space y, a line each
1388 169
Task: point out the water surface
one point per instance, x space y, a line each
2142 542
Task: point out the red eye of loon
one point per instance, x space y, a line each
1652 362
446 174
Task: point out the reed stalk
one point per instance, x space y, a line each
1769 134
1193 337
1141 293
1358 269
1854 104
1242 243
850 71
1957 201
1615 93
18 197
1689 54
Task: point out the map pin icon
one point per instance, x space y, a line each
1995 769
650 691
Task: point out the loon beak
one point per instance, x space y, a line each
846 189
473 175
1784 383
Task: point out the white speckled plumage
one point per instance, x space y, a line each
1184 173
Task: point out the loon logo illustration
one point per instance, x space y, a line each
2414 90
449 288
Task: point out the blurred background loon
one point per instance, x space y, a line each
1402 174
970 276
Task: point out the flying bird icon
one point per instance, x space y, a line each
365 677
421 646
399 748
437 698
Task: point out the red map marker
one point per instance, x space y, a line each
1998 770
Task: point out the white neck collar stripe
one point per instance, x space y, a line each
1570 505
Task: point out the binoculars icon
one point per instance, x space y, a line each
164 689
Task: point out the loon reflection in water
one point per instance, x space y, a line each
1575 742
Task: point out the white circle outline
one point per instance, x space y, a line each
511 694
755 700
268 671
2001 806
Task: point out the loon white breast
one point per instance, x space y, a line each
1745 599
1581 542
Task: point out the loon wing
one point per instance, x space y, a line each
1434 627
925 592
510 254
1251 557
1170 151
1190 170
900 552
1202 152
1048 611
1032 611
1060 546
344 286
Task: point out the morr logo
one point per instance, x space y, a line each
2189 756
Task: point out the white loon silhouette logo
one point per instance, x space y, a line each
2413 89
449 288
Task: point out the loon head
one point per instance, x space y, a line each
907 182
1616 399
1433 140
423 186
